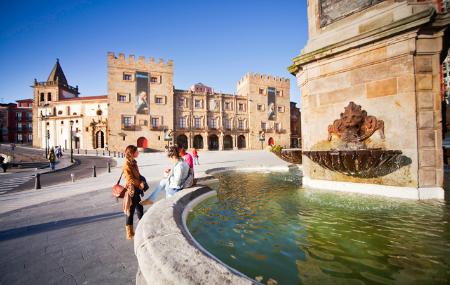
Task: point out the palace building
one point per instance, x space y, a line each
143 108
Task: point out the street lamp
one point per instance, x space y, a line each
262 138
168 136
46 133
71 138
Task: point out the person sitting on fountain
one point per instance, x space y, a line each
175 178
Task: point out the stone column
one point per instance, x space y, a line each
428 93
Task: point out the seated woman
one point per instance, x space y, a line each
175 177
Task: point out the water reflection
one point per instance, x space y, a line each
268 227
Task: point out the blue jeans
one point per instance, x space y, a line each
162 186
52 165
196 161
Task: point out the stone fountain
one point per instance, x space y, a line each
386 56
352 157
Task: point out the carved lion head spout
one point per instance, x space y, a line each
355 126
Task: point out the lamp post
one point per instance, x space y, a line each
262 138
168 136
71 138
46 133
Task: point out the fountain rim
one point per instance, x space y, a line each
158 260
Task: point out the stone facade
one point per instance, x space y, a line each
57 104
385 58
197 117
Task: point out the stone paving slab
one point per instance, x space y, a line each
74 233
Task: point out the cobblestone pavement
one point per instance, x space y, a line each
80 240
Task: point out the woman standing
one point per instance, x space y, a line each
52 159
134 186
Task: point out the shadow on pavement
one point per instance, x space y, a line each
51 226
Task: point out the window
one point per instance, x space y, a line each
155 122
227 123
261 91
260 107
181 102
122 97
49 96
29 116
198 104
126 76
280 109
197 123
59 112
19 127
279 92
19 116
263 126
19 138
241 107
154 79
277 126
241 124
30 137
68 110
127 121
227 106
30 126
212 123
182 123
42 99
159 100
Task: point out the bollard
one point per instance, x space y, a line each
72 177
114 153
108 165
94 172
109 153
96 152
103 153
78 151
37 182
85 151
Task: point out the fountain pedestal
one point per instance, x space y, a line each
385 56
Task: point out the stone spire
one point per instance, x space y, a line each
57 74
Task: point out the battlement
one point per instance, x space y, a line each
141 62
263 78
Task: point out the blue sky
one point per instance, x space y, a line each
213 42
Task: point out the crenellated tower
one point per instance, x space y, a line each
140 99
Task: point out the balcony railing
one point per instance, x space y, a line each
131 127
242 130
158 128
280 131
268 130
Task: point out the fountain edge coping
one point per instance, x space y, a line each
422 193
166 252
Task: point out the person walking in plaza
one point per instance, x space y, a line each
175 179
134 189
52 159
195 155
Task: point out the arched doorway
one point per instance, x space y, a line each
271 142
227 142
241 142
182 141
100 139
198 142
77 142
213 142
142 142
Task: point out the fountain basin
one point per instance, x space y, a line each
365 163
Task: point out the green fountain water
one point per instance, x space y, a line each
269 228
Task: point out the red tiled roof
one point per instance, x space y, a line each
85 98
